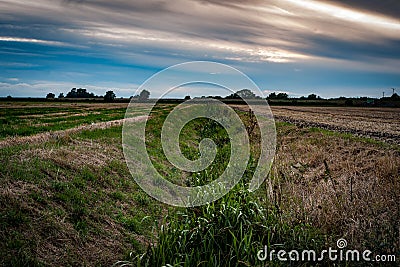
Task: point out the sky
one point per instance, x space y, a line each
331 48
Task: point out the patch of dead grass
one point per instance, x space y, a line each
345 187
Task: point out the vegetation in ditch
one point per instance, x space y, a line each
230 231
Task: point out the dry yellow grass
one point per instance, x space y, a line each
341 185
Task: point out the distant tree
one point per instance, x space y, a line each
272 96
144 95
302 98
50 96
395 96
9 97
312 97
278 96
244 94
72 93
282 96
187 97
109 96
61 95
232 96
80 93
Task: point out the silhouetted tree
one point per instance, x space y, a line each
61 95
395 96
72 93
278 96
282 96
144 95
187 97
312 97
109 96
80 93
233 96
50 96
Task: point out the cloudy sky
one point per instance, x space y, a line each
332 48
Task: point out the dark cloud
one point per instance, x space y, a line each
340 49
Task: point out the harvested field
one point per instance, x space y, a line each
344 186
378 123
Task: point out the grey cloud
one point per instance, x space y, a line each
252 24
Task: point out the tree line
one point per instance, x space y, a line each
83 93
241 94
